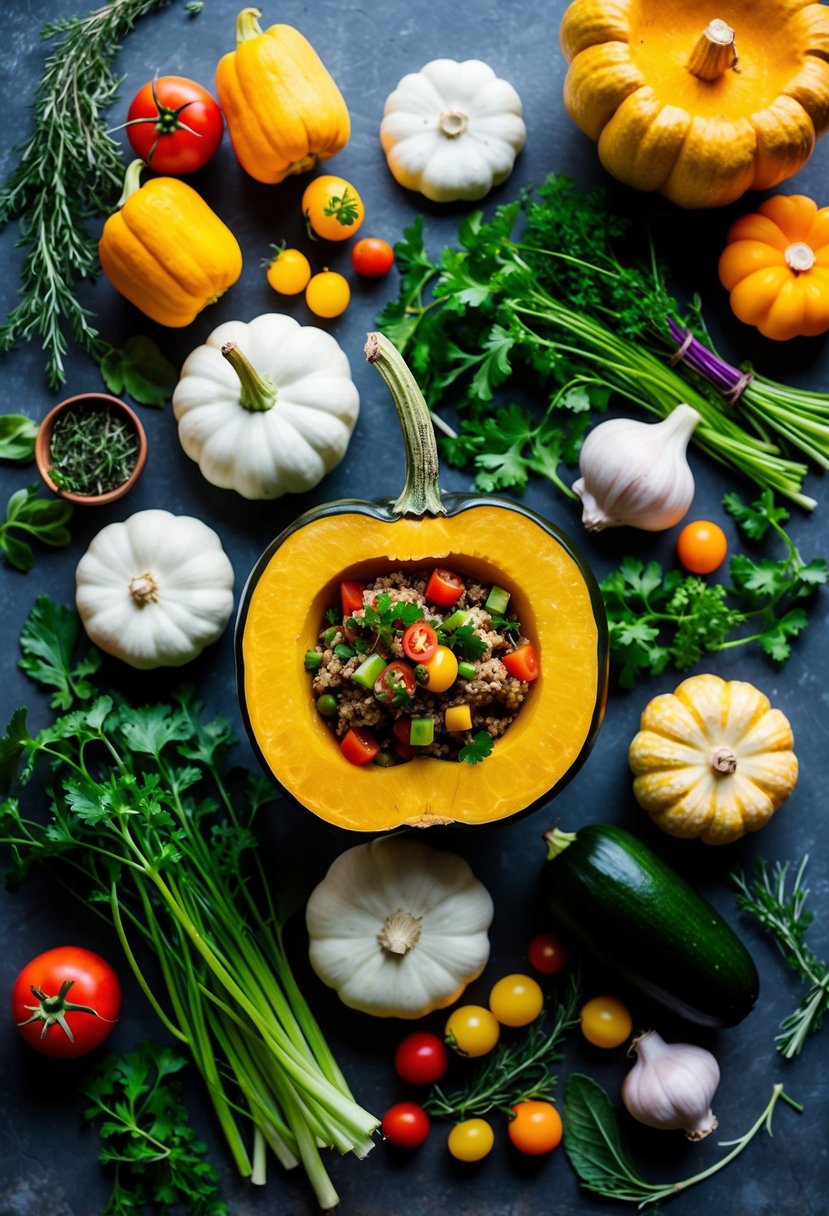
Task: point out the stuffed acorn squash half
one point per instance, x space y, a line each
488 539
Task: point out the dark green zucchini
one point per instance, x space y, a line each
613 896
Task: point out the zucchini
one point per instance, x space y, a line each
613 896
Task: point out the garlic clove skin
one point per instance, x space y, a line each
636 473
671 1086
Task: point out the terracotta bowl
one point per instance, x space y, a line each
43 444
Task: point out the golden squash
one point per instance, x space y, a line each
712 759
283 110
554 594
699 109
166 251
776 267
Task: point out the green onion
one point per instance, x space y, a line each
497 600
329 635
422 732
456 620
344 652
467 671
369 670
313 660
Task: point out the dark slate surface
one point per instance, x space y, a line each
47 1160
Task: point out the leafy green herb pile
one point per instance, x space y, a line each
158 1160
782 913
92 449
594 1146
147 825
658 618
31 517
554 308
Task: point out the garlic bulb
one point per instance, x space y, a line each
671 1085
636 473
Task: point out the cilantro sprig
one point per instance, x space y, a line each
478 749
658 619
386 617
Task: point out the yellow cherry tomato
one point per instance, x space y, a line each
441 670
472 1030
332 208
605 1022
470 1140
328 294
288 272
516 1000
701 546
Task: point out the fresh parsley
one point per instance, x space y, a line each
781 910
464 641
29 516
595 1149
48 642
139 370
157 1158
480 747
386 617
658 619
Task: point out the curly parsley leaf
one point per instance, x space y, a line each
48 641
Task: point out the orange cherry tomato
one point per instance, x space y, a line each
535 1127
522 663
359 746
701 546
444 588
332 207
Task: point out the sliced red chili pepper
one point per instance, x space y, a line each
419 642
444 587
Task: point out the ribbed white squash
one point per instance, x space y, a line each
398 927
155 589
452 130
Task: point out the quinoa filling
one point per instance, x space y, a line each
420 663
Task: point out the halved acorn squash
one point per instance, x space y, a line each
555 597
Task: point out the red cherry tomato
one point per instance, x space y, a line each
351 596
535 1127
547 954
419 642
174 125
406 1125
421 1058
522 663
66 1001
359 746
396 684
444 588
372 257
701 546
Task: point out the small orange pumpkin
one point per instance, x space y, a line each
776 266
166 251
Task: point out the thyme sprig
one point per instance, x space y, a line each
69 169
782 913
516 1071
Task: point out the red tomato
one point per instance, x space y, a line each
351 595
66 1001
396 684
359 746
419 642
421 1058
372 257
535 1127
547 954
406 1125
174 125
522 663
444 588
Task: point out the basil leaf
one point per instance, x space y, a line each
141 371
17 438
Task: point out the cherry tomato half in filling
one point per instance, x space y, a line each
66 1001
444 587
395 685
419 642
174 125
523 663
351 596
359 746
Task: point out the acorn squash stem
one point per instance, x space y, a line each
247 25
714 52
258 392
557 841
421 489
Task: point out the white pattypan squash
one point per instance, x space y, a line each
155 589
398 927
266 407
452 130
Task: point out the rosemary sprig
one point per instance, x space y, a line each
515 1071
92 450
782 913
69 169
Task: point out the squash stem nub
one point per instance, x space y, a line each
258 392
557 841
714 53
421 490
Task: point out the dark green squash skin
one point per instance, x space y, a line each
638 918
454 504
